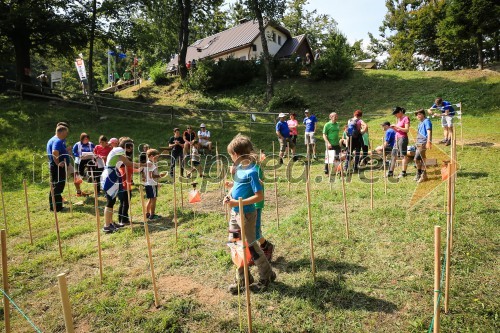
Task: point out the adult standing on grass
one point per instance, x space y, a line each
204 138
284 138
176 143
355 130
310 121
83 151
111 181
424 142
58 159
447 114
331 136
401 128
293 126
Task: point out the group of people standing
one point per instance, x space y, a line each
353 144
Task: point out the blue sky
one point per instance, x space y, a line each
355 18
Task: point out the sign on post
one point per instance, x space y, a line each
80 68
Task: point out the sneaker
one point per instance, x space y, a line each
447 143
315 157
262 285
417 176
390 174
148 215
326 171
281 161
422 178
125 222
268 251
295 158
118 225
402 175
109 229
82 194
443 141
233 288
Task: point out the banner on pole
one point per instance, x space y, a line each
80 68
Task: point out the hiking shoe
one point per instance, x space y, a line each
262 285
447 143
233 288
417 176
422 178
109 229
118 225
268 251
402 175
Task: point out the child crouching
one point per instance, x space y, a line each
247 186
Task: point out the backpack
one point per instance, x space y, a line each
353 129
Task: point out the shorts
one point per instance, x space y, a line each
196 163
294 139
420 152
309 138
401 148
447 121
284 142
151 191
204 144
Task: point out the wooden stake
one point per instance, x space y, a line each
383 161
3 205
276 193
66 305
175 204
55 217
69 191
437 276
330 168
309 216
245 264
221 183
5 279
27 210
371 186
98 224
129 184
289 171
345 201
461 127
448 236
180 181
150 254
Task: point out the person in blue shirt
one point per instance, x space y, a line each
284 137
83 151
389 138
310 121
424 142
58 160
246 185
447 114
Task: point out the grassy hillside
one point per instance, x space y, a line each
380 280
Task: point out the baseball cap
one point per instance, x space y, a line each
306 111
386 123
112 140
282 115
202 125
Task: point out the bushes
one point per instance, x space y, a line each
288 99
226 73
158 74
336 62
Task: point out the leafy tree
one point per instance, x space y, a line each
237 12
358 53
336 61
45 27
272 10
298 20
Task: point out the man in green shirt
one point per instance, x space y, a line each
331 136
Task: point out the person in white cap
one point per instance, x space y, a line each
283 133
204 138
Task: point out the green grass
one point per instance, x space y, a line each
380 280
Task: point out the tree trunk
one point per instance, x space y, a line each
22 49
185 13
265 50
91 50
497 53
480 57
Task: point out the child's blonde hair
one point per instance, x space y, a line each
242 146
152 152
